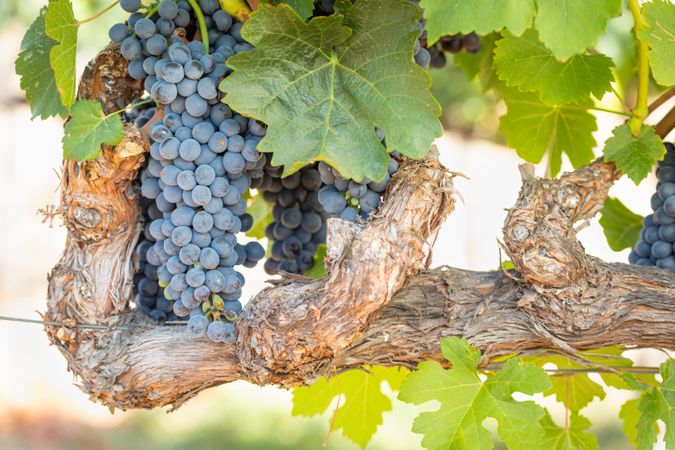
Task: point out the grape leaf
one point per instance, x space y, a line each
658 404
630 415
60 25
572 26
577 390
620 225
572 438
525 63
660 16
88 129
362 404
37 75
261 211
323 87
466 401
533 129
634 156
480 64
482 16
304 8
318 270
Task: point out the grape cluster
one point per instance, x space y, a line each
299 224
348 199
203 158
656 246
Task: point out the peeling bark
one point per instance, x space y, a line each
379 303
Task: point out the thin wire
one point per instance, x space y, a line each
92 326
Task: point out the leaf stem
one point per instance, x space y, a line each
600 108
203 30
129 106
100 13
641 105
607 110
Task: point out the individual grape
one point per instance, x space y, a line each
180 53
130 6
207 88
202 222
189 149
144 28
201 195
221 332
254 251
156 45
202 132
164 92
131 49
349 214
661 249
118 32
196 105
669 206
198 324
167 9
195 277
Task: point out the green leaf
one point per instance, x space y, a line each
362 402
466 401
323 87
634 156
304 8
318 270
620 225
572 438
577 390
88 129
60 25
533 128
482 16
658 404
571 26
37 75
261 211
480 64
660 16
525 63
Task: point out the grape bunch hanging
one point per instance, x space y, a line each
656 246
202 167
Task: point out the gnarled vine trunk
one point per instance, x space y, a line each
379 303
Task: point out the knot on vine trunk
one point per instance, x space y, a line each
539 230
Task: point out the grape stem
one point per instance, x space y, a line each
129 106
99 14
202 24
639 113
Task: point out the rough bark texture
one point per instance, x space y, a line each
379 303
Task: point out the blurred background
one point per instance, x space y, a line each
41 406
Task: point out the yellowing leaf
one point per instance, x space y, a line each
572 438
362 402
60 25
37 75
466 401
323 87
